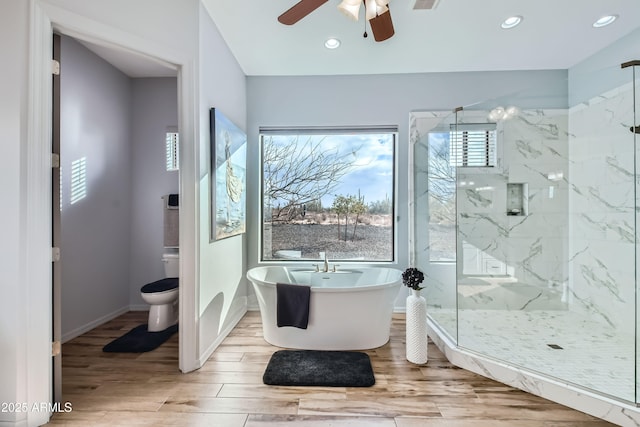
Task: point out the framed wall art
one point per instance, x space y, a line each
228 177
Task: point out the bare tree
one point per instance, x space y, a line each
301 172
442 183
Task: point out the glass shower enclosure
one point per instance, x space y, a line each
529 241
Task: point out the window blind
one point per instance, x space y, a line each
473 145
172 141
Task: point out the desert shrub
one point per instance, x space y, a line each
380 206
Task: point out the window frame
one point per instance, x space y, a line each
332 130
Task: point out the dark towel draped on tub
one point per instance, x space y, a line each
292 305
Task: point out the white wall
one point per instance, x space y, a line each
95 124
222 282
14 310
154 108
168 23
383 100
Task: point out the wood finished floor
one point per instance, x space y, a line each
147 389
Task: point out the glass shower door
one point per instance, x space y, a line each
634 128
433 210
546 265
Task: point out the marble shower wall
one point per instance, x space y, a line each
602 209
531 245
576 241
532 149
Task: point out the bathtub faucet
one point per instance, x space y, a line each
325 265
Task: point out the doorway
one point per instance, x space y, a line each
99 116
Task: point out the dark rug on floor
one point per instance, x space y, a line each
319 368
139 340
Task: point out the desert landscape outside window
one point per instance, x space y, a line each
328 192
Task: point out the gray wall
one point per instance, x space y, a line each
601 72
383 100
95 124
155 107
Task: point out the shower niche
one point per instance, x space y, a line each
517 199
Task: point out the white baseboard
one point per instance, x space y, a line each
93 324
233 321
252 303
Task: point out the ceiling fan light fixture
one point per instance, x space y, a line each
511 22
375 8
351 8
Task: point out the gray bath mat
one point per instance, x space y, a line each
140 340
319 368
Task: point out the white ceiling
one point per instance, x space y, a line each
132 64
458 35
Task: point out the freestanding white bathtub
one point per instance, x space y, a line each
349 309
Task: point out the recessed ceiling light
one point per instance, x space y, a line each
605 20
332 43
511 22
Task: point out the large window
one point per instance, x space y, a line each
328 192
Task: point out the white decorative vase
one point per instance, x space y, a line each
416 328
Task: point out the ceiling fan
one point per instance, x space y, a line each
376 12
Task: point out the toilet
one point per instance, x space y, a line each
162 295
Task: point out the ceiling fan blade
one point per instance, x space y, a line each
299 11
382 27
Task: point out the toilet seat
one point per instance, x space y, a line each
161 285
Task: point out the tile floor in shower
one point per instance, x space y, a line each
592 356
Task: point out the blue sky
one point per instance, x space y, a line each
373 162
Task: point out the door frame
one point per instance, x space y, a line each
56 229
